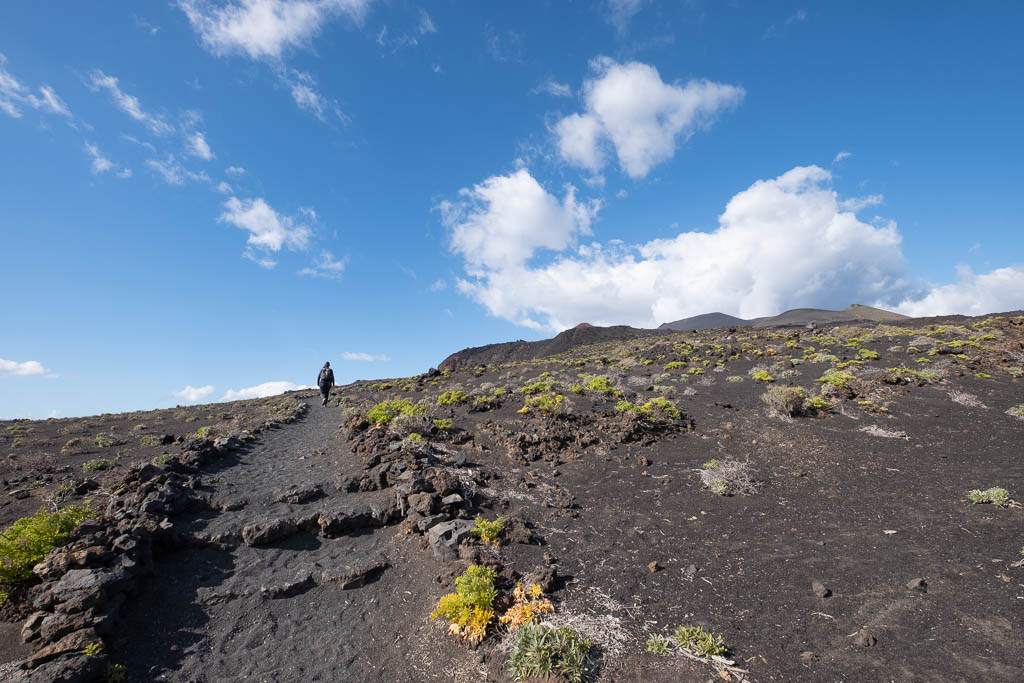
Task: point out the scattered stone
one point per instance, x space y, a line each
864 638
691 570
288 589
653 567
820 590
918 584
353 576
807 657
268 532
297 494
546 577
454 499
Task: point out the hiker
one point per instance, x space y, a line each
325 380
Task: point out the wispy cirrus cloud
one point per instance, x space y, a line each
266 30
101 164
197 146
14 96
326 266
553 87
129 104
360 356
269 231
173 172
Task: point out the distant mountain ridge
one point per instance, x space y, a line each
797 317
585 333
581 335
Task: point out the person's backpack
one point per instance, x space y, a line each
326 377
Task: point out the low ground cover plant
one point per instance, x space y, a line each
489 532
386 411
97 465
452 397
469 609
528 604
602 385
542 650
28 540
995 496
552 404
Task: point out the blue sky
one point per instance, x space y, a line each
203 200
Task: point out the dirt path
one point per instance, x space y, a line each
259 613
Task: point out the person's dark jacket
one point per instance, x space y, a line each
325 378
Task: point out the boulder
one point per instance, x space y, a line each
445 538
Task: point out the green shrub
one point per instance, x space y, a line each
698 641
675 364
542 650
658 644
551 404
115 673
386 411
452 397
97 465
818 403
444 424
470 608
734 378
995 495
415 438
536 388
837 378
761 376
205 432
1016 411
602 385
576 388
105 440
93 649
149 441
26 542
489 532
161 460
867 354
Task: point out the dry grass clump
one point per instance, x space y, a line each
875 430
965 399
728 478
785 402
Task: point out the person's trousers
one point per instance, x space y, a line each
325 392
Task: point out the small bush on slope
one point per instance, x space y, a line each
27 541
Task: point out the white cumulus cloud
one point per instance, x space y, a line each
129 104
23 369
642 117
501 222
781 243
268 230
357 355
234 170
262 390
999 290
192 394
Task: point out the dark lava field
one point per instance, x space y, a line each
830 504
